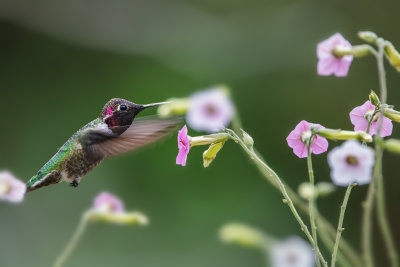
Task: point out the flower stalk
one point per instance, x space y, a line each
340 228
312 203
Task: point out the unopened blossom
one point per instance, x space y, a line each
183 146
209 111
107 202
351 163
328 63
292 252
359 115
11 188
297 140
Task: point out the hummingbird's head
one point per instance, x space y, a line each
121 112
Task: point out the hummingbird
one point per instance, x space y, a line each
113 132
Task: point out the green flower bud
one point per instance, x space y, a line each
392 114
356 51
177 107
369 37
345 135
247 139
392 55
306 190
374 99
242 235
324 189
392 145
123 218
210 154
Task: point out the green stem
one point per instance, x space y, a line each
340 228
326 230
62 258
381 209
366 234
366 227
381 205
269 172
312 202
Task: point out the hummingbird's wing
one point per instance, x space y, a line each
102 144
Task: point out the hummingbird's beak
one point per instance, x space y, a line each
154 105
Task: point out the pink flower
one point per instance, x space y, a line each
183 145
328 63
351 163
358 119
107 202
210 110
296 140
11 189
292 252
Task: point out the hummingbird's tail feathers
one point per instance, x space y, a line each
142 131
41 180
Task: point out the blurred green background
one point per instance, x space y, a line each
60 61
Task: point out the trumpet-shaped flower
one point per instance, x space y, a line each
292 252
328 63
297 140
351 163
107 202
209 111
358 117
183 146
11 188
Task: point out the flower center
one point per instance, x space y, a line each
376 117
368 114
5 188
351 160
182 143
292 258
305 136
211 110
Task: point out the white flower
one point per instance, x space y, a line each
11 189
292 252
209 110
351 163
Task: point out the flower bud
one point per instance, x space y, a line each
392 114
324 189
177 107
345 135
208 139
392 145
374 99
242 235
210 154
124 218
306 191
369 37
247 139
356 51
392 55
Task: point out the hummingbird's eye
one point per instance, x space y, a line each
123 107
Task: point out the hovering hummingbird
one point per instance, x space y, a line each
113 132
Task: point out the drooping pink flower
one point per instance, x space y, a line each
209 111
183 145
296 140
328 63
107 202
11 188
351 163
360 122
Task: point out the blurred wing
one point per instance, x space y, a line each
141 132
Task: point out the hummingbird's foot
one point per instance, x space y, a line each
74 183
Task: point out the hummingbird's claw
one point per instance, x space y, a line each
74 183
